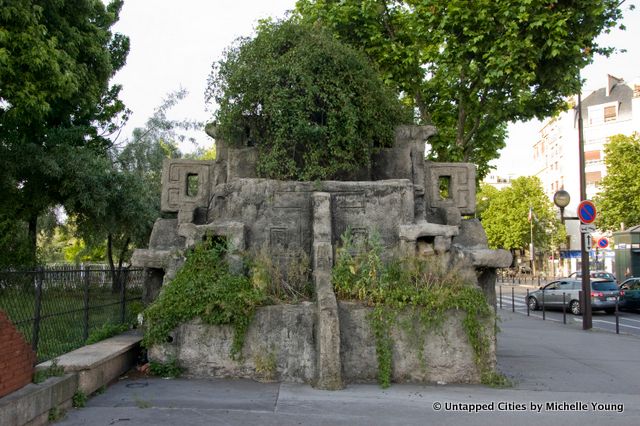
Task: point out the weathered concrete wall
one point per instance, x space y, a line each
443 355
278 214
286 333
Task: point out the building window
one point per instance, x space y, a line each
592 155
593 178
610 113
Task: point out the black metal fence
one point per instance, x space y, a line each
56 309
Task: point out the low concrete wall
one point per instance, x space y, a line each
280 339
87 369
286 333
441 354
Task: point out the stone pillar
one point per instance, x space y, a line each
329 367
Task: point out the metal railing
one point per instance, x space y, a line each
56 309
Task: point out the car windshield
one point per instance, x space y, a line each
604 286
603 275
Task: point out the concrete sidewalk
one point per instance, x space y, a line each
561 374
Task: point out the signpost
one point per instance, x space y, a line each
586 212
603 242
587 215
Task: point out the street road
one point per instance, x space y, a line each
629 322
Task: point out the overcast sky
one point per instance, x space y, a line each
173 45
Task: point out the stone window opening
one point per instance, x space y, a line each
192 185
444 187
425 246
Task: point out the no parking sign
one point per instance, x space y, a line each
603 242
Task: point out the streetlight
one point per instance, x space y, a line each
561 199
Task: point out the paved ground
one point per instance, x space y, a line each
561 374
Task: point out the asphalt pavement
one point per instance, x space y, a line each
560 373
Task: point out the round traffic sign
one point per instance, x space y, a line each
603 242
586 211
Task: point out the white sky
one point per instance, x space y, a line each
173 45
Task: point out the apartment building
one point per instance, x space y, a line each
610 110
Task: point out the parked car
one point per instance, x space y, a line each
604 294
595 274
630 294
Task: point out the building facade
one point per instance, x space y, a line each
608 111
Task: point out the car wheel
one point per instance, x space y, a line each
610 311
574 306
533 304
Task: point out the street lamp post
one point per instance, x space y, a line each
562 199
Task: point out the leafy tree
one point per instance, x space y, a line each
619 198
56 105
505 217
469 68
313 106
126 201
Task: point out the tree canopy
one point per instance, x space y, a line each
469 69
505 213
56 105
314 107
619 198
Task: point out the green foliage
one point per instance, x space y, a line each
14 243
496 380
55 414
79 399
505 214
619 198
282 278
314 107
266 365
425 288
204 288
168 369
53 370
471 70
105 331
57 108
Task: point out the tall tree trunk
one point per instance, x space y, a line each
33 237
115 279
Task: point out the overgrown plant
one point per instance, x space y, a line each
107 330
165 369
425 288
204 288
285 278
53 370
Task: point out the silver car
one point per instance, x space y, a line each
604 295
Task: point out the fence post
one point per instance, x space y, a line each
37 309
85 304
513 300
500 297
124 278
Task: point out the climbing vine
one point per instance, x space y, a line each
425 288
204 288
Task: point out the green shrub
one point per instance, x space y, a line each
204 288
165 369
79 399
314 107
105 331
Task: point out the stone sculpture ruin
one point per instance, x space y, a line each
415 205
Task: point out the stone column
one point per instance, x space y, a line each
329 367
